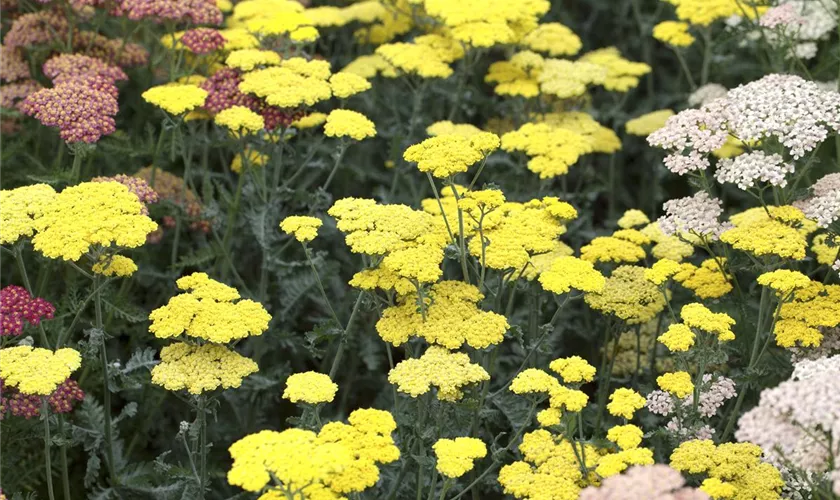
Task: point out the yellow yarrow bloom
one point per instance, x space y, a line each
677 383
114 265
452 318
88 215
611 249
552 149
294 83
716 488
456 457
240 120
347 123
706 281
699 316
446 127
304 228
704 13
207 311
553 39
784 281
385 279
311 120
310 387
418 59
253 159
646 124
534 381
629 296
21 206
571 272
447 155
344 85
633 218
200 368
448 371
238 39
625 402
661 271
782 233
677 338
622 75
36 371
176 99
573 369
248 59
826 253
673 33
625 436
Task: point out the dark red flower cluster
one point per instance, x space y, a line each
83 110
191 11
17 306
203 40
223 92
119 52
36 28
29 406
136 185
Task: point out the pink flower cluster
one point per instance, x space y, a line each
696 215
68 67
12 94
187 11
203 40
658 482
783 15
223 92
714 392
81 112
17 307
12 65
136 185
29 406
36 28
824 205
123 54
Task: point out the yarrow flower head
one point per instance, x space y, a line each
114 265
625 402
784 281
648 123
29 406
310 387
200 368
139 187
37 371
438 367
176 99
633 218
208 310
628 295
18 306
693 216
347 123
88 215
746 169
344 85
823 206
202 40
67 67
573 369
86 112
677 383
571 272
446 155
21 206
651 481
304 228
674 33
456 457
240 120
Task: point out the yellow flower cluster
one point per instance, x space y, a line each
732 470
448 371
200 368
633 218
629 296
552 149
21 207
348 123
667 247
303 227
626 437
87 215
484 23
310 387
677 383
825 252
114 265
265 18
573 369
622 74
571 272
537 382
253 159
37 371
418 59
452 317
552 466
240 120
661 271
814 307
625 402
648 123
625 362
783 281
344 84
311 120
704 13
210 311
382 278
612 249
517 76
450 154
339 460
673 33
677 338
248 59
456 457
700 317
706 281
782 233
553 39
293 83
176 99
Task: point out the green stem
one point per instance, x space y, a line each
343 341
65 475
103 358
320 285
45 414
202 450
231 221
605 374
342 148
77 165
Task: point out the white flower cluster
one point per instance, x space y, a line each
805 22
744 170
651 481
694 215
795 112
796 423
714 392
824 205
783 15
706 94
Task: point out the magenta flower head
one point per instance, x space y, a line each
223 92
136 185
80 112
65 67
36 28
203 40
17 306
29 405
192 11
